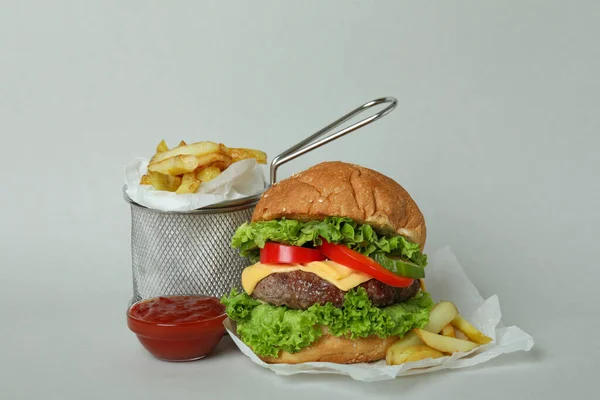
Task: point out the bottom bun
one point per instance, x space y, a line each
337 350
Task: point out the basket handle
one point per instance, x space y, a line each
310 142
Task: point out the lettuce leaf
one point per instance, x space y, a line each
250 237
268 329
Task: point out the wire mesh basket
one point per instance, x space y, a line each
177 253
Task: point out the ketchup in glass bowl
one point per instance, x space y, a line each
178 328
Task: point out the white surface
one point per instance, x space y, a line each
495 136
446 281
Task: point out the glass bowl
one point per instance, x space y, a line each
178 328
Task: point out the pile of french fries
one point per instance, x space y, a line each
446 332
182 169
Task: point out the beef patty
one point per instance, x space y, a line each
299 289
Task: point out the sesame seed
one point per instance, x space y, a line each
266 195
310 201
283 208
320 200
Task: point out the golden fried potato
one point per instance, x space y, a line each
221 165
448 331
409 340
207 174
162 147
459 334
189 184
175 165
145 180
472 333
208 159
164 182
195 149
185 167
412 353
441 315
443 343
238 154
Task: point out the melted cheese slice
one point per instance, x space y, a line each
342 277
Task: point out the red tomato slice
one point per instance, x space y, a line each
275 253
353 259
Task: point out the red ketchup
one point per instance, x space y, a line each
178 328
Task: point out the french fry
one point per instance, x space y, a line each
448 331
459 334
409 340
472 333
175 165
207 174
222 165
145 180
443 343
238 154
182 169
189 184
195 149
209 159
242 154
412 353
164 182
441 315
162 147
422 284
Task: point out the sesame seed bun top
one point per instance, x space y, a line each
340 189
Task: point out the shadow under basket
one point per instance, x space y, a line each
180 253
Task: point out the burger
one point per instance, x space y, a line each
338 263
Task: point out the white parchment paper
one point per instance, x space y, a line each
446 280
243 178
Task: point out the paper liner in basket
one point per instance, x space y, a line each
242 179
446 280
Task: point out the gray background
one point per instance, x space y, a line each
495 136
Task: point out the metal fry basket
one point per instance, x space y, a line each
186 253
176 253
